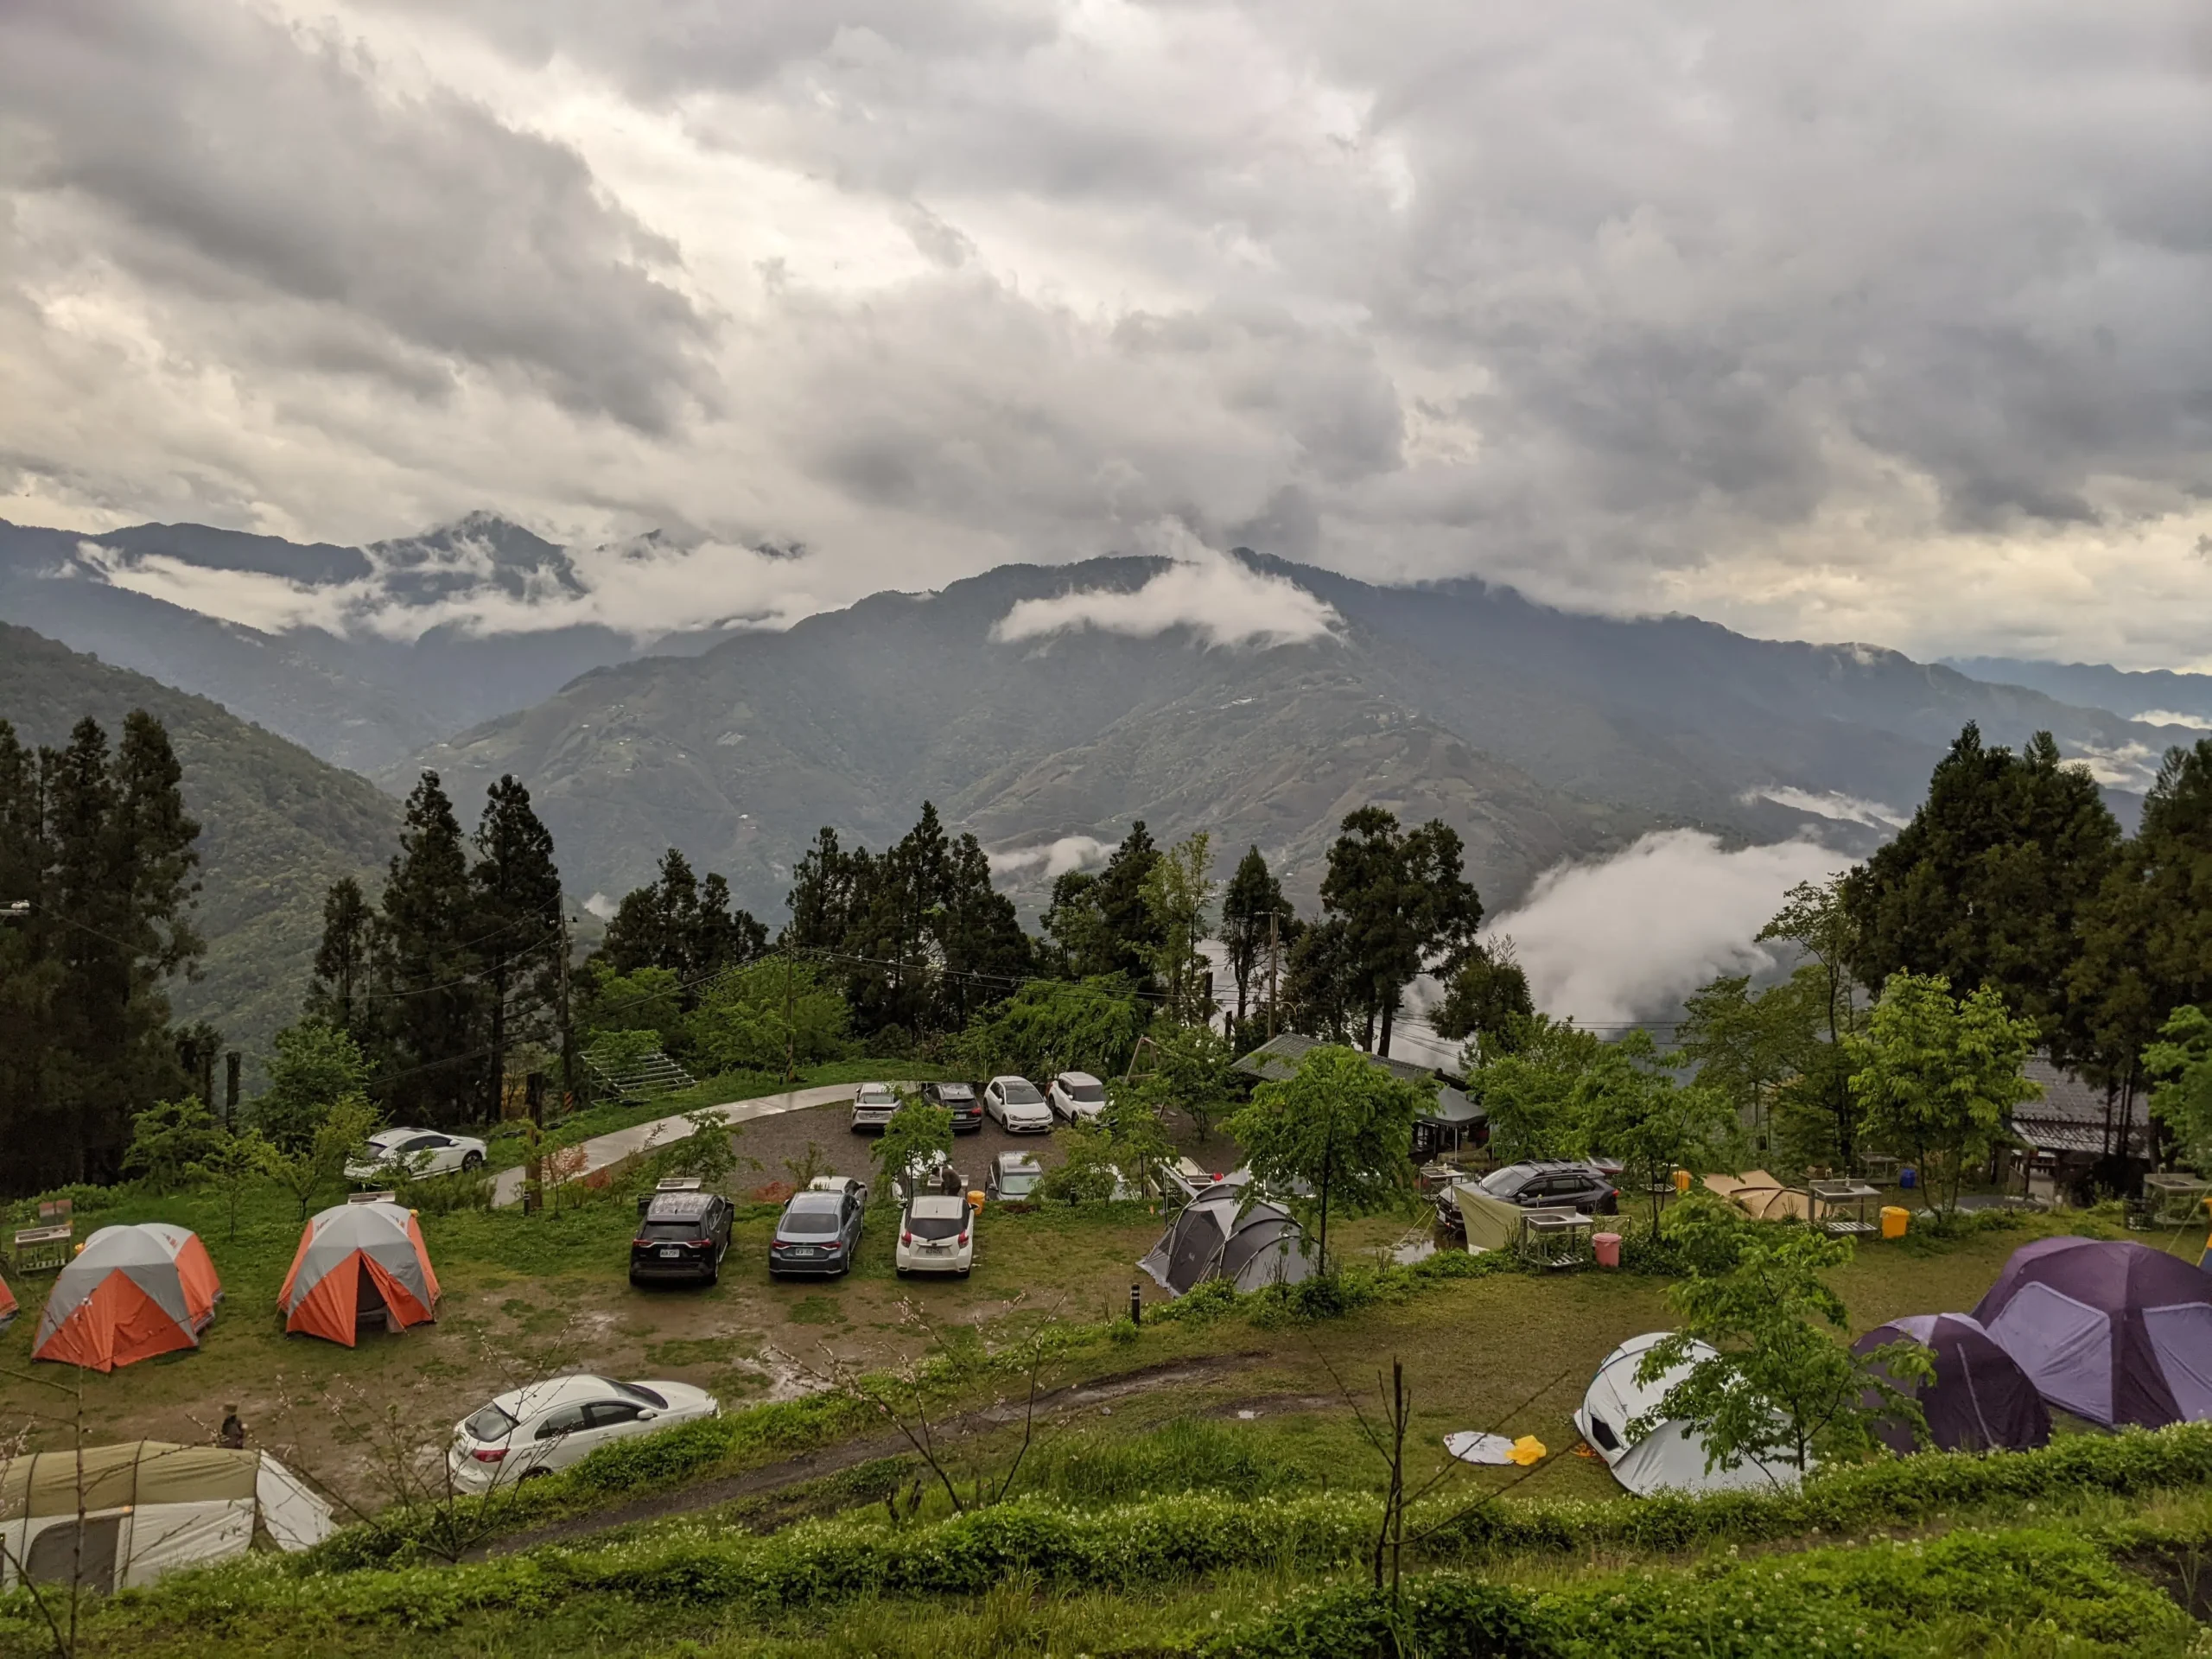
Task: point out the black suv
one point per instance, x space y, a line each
681 1235
958 1098
1554 1183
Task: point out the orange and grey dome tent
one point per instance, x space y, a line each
358 1259
6 1305
131 1293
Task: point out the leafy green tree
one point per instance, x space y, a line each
1731 1036
1936 1077
1782 1387
1527 1090
1324 989
320 1166
1179 900
1192 1070
516 927
1987 885
760 1016
1132 935
1253 909
1403 898
315 1066
1627 1105
644 999
1052 1025
2182 1062
233 1162
428 990
166 1140
1086 1172
1135 1133
978 932
1341 1128
338 993
1487 1003
918 1132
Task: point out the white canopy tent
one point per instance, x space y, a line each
120 1516
1671 1457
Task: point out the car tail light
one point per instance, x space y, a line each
640 1244
834 1244
905 1238
489 1453
962 1239
699 1244
778 1245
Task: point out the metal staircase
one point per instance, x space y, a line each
648 1077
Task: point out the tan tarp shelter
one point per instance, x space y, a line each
358 1261
1493 1223
1761 1196
133 1291
121 1515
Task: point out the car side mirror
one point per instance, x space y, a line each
647 1416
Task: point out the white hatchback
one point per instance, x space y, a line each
1018 1106
874 1105
542 1427
937 1234
414 1152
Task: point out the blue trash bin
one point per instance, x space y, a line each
1908 1178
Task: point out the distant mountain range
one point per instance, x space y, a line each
1542 734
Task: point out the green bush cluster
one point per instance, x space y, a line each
1334 1295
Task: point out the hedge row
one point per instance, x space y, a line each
1160 1541
2063 1588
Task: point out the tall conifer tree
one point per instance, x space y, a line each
428 996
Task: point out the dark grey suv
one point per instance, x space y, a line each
1554 1183
681 1235
818 1232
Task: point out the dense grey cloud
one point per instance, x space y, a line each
1882 323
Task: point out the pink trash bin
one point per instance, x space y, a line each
1608 1246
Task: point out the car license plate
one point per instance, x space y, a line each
670 1250
803 1251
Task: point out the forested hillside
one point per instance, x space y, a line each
277 826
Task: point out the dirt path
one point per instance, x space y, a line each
813 1465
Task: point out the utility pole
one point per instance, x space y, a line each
790 1046
232 1061
569 1080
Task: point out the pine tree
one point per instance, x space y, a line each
1251 905
428 999
987 955
1131 934
1403 898
337 995
517 924
682 924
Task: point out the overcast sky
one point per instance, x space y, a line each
1884 321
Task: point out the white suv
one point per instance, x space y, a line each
874 1105
1077 1097
937 1234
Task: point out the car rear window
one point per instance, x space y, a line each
674 1228
1023 1094
643 1396
1504 1182
935 1226
810 1222
490 1424
951 1091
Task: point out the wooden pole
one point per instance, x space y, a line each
1271 976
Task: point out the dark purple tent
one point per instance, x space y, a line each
2111 1329
1980 1401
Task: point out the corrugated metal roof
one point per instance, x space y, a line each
1276 1060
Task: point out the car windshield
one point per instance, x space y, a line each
809 1224
490 1424
1504 1182
1018 1183
1090 1093
643 1396
935 1226
1022 1094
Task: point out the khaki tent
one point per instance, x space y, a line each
121 1515
357 1262
1762 1198
132 1292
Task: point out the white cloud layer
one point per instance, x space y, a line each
1882 322
1054 860
1832 803
1626 938
1221 600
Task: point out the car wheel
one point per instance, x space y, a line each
964 1273
532 1474
714 1271
901 1272
635 1281
472 1161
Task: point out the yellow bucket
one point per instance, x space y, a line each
1895 1221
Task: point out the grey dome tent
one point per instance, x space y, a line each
1210 1238
1979 1401
2110 1330
1670 1457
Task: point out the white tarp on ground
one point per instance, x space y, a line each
1670 1456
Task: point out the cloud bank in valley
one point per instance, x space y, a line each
1053 859
1878 324
1626 938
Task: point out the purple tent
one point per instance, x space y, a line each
1980 1401
2110 1330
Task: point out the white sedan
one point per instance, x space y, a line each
1077 1097
1018 1106
414 1153
937 1234
546 1425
